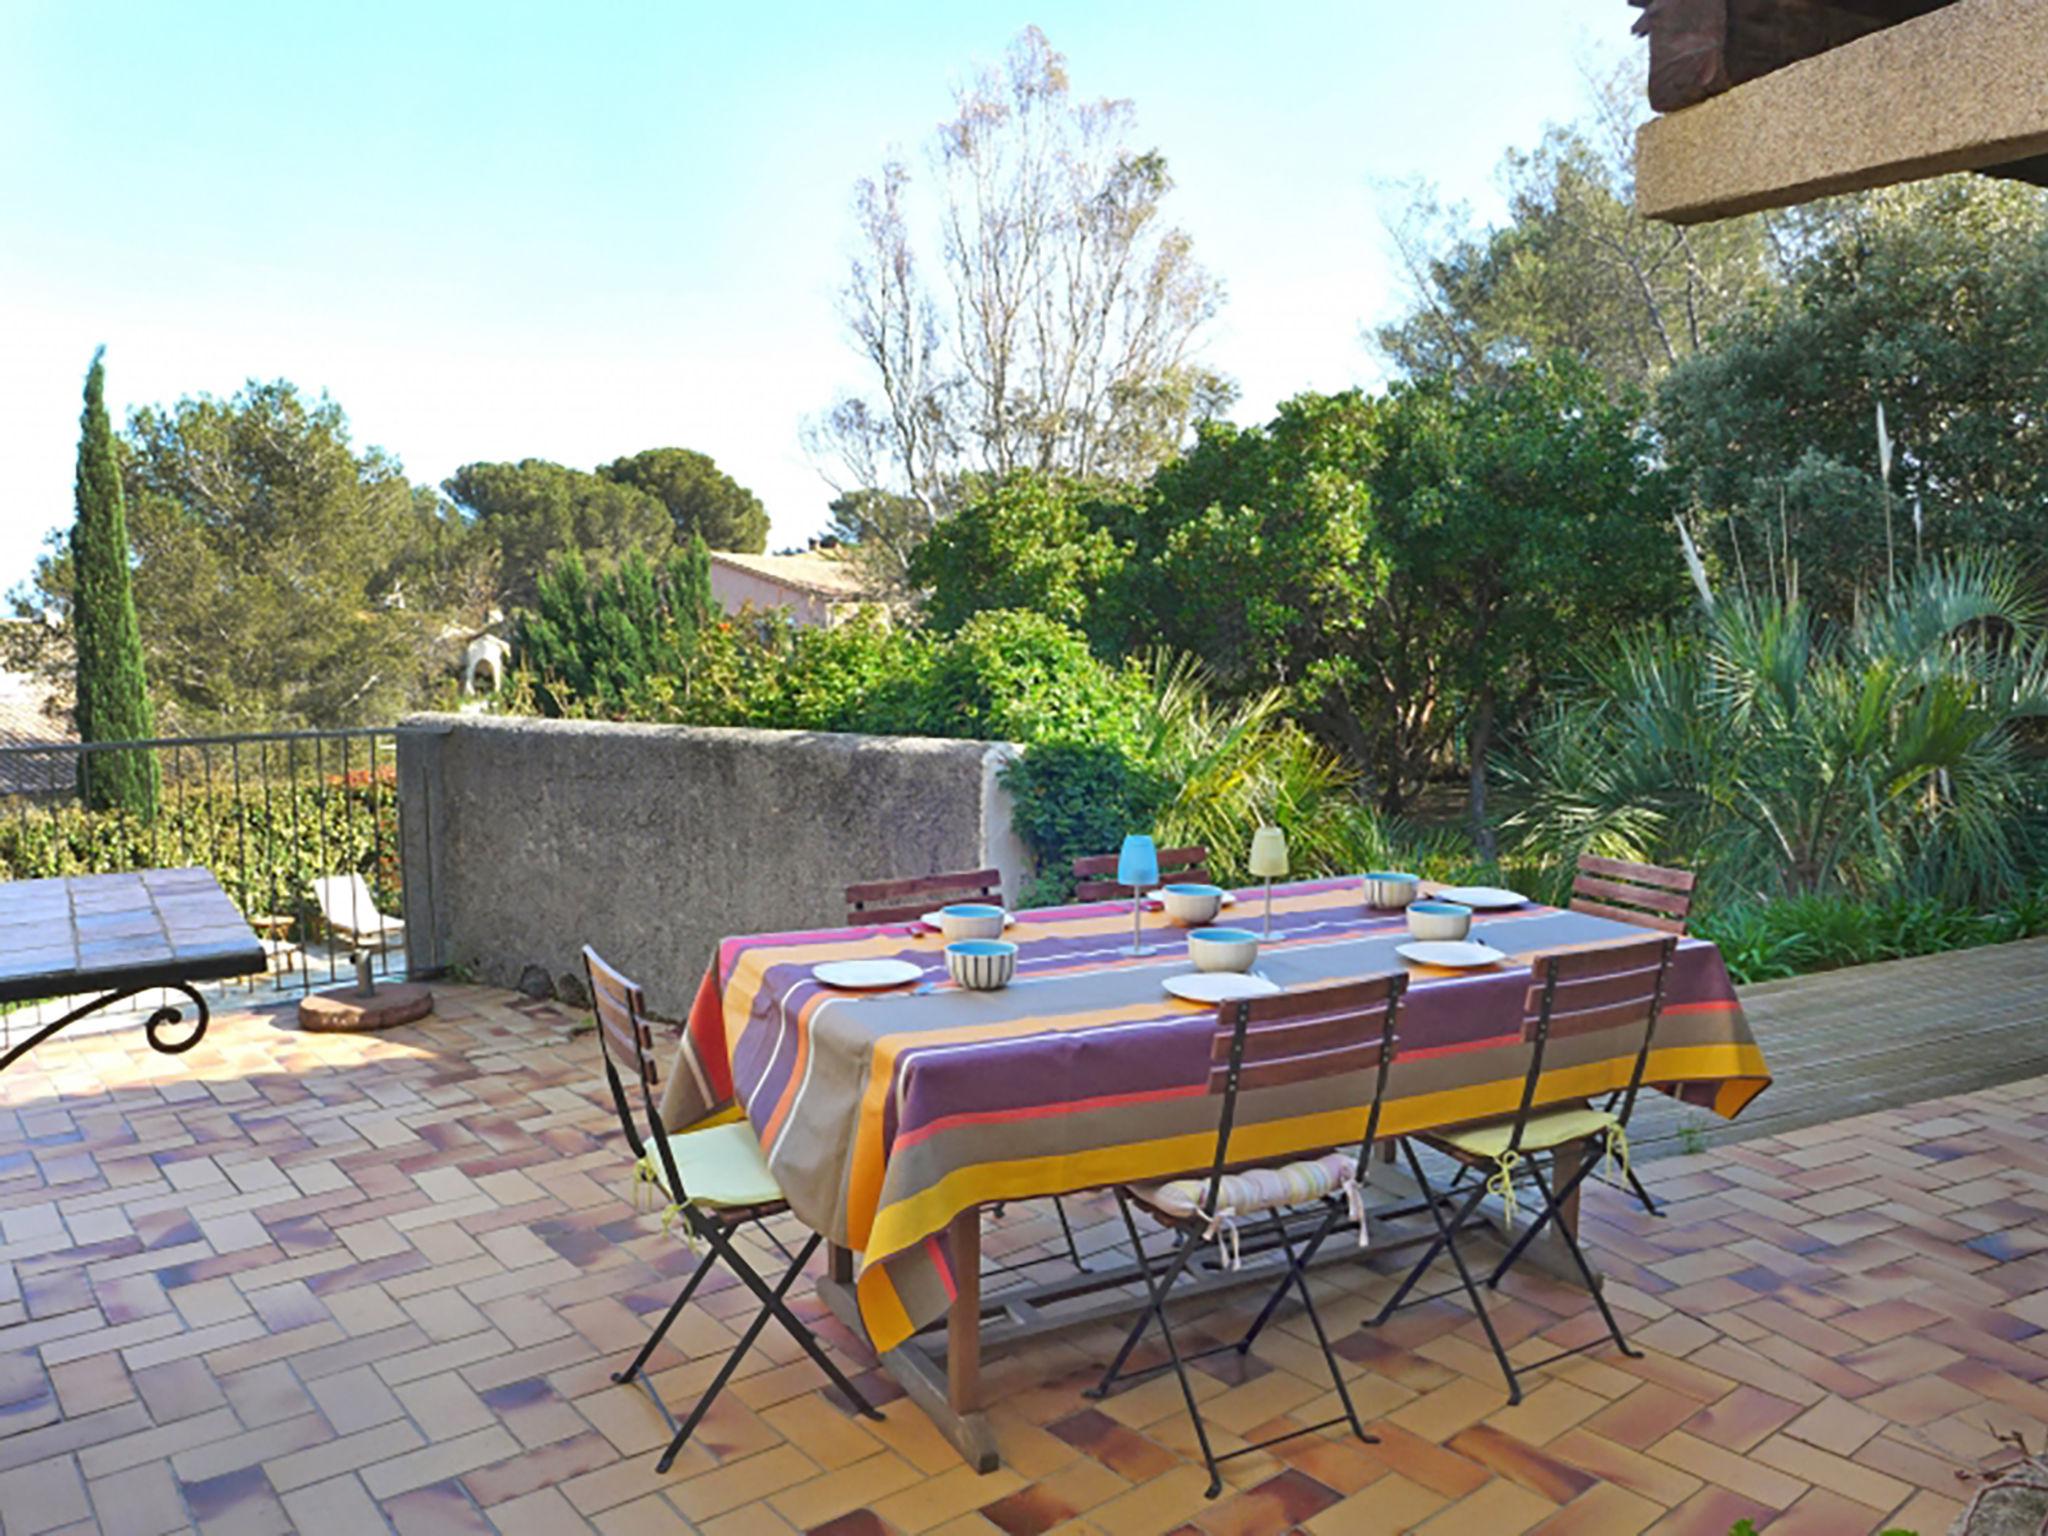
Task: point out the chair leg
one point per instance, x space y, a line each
1059 1207
772 1306
1432 1199
1182 1253
661 1328
1297 1275
808 1341
1643 1194
1447 1240
1156 1293
1315 1241
725 1373
1553 1203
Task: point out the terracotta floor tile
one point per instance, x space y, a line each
1742 1418
1603 1510
1823 1513
1501 1508
1392 1505
1837 1425
293 1267
1747 1476
1644 1416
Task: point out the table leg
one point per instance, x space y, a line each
947 1390
963 1322
839 1263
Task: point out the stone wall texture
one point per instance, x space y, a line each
525 839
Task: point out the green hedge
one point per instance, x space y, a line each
265 844
1768 941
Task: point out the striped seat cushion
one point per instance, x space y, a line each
1256 1189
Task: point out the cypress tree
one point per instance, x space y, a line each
113 695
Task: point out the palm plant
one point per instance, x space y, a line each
1232 765
1784 754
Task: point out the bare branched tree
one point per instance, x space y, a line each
1059 332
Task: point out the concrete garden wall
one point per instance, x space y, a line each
526 838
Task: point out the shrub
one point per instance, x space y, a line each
1884 755
1767 941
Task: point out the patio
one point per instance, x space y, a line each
319 1282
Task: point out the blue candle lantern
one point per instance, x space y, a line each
1137 869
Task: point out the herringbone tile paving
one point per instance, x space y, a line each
349 1284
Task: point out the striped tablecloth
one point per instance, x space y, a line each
884 1115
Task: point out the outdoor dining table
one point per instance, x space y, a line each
892 1118
113 937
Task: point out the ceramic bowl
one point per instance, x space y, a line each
971 920
1192 904
1389 891
1439 920
1223 949
981 965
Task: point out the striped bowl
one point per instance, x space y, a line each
971 920
982 965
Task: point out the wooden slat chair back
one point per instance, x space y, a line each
1299 1037
621 1010
1095 873
1608 988
905 900
1642 894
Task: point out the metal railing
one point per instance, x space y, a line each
300 827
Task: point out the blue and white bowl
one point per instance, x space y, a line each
971 920
1439 920
1192 903
1389 890
981 965
1223 949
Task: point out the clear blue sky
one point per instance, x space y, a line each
570 232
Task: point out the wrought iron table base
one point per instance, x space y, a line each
166 1016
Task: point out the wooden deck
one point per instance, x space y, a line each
1872 1037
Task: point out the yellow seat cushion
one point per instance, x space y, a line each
720 1165
1551 1128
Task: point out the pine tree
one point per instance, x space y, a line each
113 694
594 642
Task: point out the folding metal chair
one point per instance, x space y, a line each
1589 1001
715 1181
1329 1035
1645 895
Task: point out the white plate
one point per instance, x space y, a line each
866 975
1482 898
931 920
1452 955
1218 986
1160 895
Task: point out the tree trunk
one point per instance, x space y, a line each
1479 742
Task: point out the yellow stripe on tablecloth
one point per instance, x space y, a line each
909 1221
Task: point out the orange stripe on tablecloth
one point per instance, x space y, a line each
911 1138
795 1082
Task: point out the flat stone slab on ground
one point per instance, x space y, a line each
394 1002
